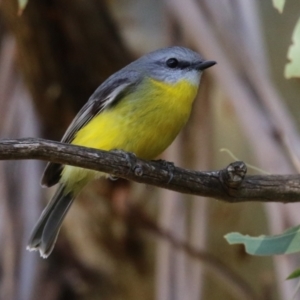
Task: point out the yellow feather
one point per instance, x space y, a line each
145 122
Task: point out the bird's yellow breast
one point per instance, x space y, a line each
144 122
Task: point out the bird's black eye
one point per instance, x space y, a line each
172 63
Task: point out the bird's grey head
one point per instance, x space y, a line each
172 65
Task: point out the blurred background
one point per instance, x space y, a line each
123 240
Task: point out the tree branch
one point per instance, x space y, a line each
230 184
235 283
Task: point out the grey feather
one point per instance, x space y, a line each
44 234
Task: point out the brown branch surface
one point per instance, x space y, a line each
230 184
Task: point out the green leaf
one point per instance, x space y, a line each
292 69
22 5
285 243
279 4
295 274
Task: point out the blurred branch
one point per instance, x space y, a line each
230 184
235 283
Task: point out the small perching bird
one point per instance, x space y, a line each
139 109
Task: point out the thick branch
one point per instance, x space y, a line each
229 184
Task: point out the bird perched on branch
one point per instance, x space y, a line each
139 109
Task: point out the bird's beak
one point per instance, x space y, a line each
200 66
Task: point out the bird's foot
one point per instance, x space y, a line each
131 160
169 165
113 177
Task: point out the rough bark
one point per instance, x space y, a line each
230 184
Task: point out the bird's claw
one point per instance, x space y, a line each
170 166
131 162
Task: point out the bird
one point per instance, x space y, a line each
139 109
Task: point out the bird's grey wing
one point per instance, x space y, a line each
107 94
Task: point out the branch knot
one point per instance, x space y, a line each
233 175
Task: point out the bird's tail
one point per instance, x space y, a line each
45 232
